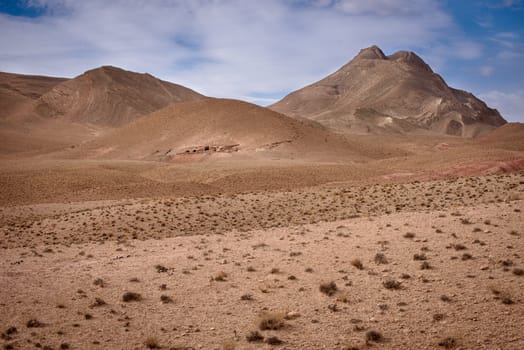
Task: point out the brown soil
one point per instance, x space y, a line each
207 268
216 224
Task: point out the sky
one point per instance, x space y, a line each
260 51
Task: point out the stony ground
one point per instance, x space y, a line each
420 265
84 222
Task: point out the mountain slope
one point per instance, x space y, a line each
110 97
396 93
214 128
17 90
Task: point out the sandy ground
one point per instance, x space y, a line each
207 269
216 224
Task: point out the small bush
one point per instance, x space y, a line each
518 272
254 336
328 288
438 317
166 299
246 296
34 323
152 343
373 336
11 330
380 259
445 298
357 263
161 268
271 320
425 266
448 343
459 246
391 284
131 296
274 341
421 256
99 282
467 256
220 277
98 302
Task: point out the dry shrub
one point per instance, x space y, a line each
380 259
391 284
254 336
373 336
271 320
448 343
152 343
131 296
221 276
357 263
328 288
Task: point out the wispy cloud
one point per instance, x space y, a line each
486 71
509 104
222 47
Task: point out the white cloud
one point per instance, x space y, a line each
387 7
486 71
231 48
510 105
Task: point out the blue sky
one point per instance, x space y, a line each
261 50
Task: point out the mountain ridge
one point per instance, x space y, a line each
110 96
400 93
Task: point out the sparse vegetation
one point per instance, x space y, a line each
34 323
131 296
161 268
425 266
99 282
221 276
448 343
166 299
98 302
270 320
357 263
304 247
152 343
380 259
328 288
467 256
459 246
438 317
246 296
392 284
373 336
254 336
273 340
445 298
